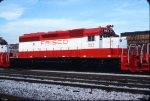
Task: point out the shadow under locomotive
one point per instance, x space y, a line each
68 64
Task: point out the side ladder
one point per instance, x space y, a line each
130 60
136 58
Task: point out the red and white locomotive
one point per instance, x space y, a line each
4 54
87 49
90 49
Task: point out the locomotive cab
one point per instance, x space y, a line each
108 39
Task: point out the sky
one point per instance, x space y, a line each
18 17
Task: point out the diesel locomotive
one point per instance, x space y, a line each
84 49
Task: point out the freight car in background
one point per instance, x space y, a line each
138 37
13 50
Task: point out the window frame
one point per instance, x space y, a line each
91 38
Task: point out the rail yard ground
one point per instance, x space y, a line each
58 85
39 91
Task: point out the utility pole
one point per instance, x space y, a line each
1 1
148 1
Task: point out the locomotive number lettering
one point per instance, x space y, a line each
90 44
54 42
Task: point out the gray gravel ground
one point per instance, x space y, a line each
39 91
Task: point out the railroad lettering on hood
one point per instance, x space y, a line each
54 42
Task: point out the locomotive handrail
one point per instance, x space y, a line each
131 45
141 53
147 52
7 57
2 57
122 55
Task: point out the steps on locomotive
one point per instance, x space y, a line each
136 60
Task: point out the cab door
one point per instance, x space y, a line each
100 41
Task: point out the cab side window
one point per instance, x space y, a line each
91 38
101 37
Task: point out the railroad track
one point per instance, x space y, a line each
109 82
4 97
